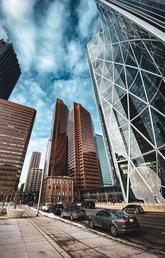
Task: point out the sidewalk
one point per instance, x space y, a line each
20 239
41 237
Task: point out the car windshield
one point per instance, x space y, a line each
59 205
119 214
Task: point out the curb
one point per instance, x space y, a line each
145 248
49 239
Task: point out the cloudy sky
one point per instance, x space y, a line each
50 38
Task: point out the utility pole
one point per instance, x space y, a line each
40 192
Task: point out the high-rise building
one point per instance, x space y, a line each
16 122
34 163
83 165
127 62
58 151
47 158
105 162
9 69
34 182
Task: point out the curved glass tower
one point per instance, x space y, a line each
127 62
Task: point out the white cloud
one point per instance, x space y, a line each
87 11
44 50
19 21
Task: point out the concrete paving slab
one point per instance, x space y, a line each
86 253
32 239
98 241
13 251
71 245
42 250
145 255
118 251
10 239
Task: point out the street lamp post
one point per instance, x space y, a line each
40 192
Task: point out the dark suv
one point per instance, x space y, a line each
89 204
133 209
116 221
56 208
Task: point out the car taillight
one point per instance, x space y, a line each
122 221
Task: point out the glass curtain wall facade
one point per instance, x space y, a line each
127 63
83 165
105 165
9 69
58 150
16 122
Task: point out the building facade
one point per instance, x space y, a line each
83 165
34 163
16 122
58 150
106 166
9 69
127 63
57 189
34 183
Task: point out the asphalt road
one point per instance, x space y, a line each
153 230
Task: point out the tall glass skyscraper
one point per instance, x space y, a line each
58 149
127 62
105 163
9 69
83 165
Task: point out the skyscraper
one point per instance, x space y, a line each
34 163
127 62
82 160
106 165
34 181
16 122
58 151
9 69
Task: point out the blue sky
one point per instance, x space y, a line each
50 38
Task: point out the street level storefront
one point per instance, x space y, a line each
57 189
105 194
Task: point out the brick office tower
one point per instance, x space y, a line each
16 122
82 160
34 163
58 150
9 69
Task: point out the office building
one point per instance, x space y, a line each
58 150
34 182
57 189
9 69
16 122
83 165
127 63
47 158
106 165
34 163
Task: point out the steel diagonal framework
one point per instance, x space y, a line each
127 64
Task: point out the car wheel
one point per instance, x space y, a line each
137 211
114 231
91 224
71 217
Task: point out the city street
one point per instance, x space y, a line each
153 230
79 241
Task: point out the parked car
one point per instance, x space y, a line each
46 206
89 204
73 212
56 208
116 221
133 209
